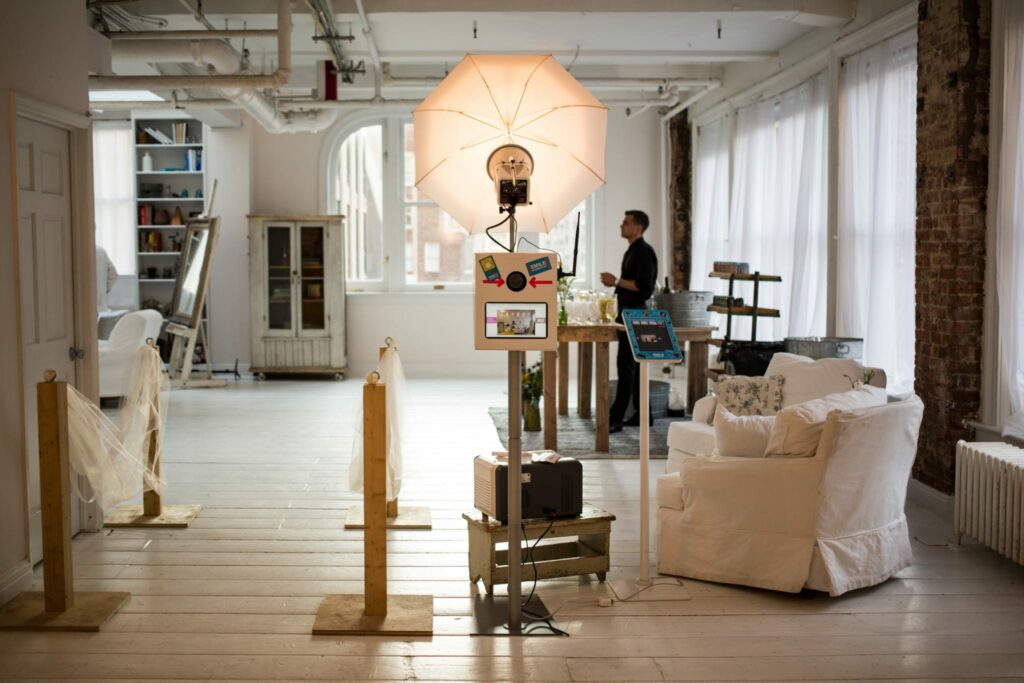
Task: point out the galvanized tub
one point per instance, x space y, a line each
826 347
687 308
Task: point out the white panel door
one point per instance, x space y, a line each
45 271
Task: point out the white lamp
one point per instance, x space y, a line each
529 102
513 133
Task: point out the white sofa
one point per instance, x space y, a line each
805 380
832 522
120 351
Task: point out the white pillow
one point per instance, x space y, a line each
807 379
797 429
742 436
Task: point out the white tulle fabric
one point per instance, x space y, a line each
112 456
393 377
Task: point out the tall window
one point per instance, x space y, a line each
398 239
775 215
359 187
877 144
113 169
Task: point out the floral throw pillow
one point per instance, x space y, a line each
751 395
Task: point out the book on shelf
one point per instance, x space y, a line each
179 132
158 136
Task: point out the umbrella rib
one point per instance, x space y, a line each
432 169
578 160
488 86
522 93
459 112
470 145
538 116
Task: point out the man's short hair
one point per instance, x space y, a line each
640 218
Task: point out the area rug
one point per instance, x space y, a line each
576 438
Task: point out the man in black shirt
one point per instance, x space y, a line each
633 288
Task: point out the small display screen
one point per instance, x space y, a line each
516 320
651 335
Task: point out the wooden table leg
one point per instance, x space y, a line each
696 380
584 378
601 418
563 378
550 409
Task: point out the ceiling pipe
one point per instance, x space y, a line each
191 35
378 66
624 83
275 80
674 111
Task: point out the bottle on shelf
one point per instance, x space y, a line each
666 289
147 163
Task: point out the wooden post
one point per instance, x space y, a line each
55 482
550 361
563 378
601 416
586 368
151 504
375 565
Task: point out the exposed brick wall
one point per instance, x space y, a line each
680 188
952 178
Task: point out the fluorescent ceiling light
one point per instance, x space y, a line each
124 96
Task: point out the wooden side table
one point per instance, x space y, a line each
588 554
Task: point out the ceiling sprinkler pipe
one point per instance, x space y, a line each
674 111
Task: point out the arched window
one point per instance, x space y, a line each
398 239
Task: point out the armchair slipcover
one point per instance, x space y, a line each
833 522
119 353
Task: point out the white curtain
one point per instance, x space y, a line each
776 210
1010 213
710 199
113 171
875 269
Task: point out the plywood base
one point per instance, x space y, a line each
409 517
26 612
173 516
408 615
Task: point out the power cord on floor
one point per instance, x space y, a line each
664 582
542 620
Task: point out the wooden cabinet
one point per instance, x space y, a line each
297 289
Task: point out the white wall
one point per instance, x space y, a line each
434 329
29 64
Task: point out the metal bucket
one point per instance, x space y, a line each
687 308
826 347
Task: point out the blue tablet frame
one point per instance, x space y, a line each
631 316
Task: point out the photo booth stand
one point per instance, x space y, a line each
58 607
375 612
408 517
152 512
652 339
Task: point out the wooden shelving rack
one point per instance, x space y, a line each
754 311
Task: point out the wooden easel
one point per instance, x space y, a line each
375 612
58 607
152 512
411 517
183 350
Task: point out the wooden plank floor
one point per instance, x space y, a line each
234 596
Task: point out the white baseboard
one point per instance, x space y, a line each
17 579
930 499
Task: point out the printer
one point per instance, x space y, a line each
552 485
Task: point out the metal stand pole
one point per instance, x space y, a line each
515 471
645 458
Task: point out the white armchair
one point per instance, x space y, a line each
120 351
833 522
805 380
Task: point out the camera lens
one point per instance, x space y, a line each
516 281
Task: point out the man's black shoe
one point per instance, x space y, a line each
614 427
635 422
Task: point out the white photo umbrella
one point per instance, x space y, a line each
492 100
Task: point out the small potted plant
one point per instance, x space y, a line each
564 283
533 389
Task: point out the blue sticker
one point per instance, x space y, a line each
538 265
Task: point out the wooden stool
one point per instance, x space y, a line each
588 554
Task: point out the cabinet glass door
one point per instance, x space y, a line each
312 285
280 257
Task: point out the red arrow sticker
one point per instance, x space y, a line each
534 282
500 281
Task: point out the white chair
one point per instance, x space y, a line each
805 380
120 351
832 522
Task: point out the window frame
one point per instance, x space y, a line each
393 276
